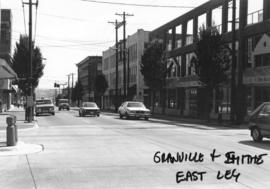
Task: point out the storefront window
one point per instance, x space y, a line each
172 99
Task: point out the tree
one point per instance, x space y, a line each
153 68
212 61
101 86
77 92
20 64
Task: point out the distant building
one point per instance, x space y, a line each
88 69
135 85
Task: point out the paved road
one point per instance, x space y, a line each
107 152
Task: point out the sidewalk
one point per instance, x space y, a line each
19 113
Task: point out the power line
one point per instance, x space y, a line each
59 16
140 5
75 45
24 17
78 42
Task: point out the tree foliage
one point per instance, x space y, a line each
212 58
154 69
212 61
20 64
153 66
101 84
77 92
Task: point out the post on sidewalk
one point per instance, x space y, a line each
11 131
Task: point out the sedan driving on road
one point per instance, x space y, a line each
44 106
134 109
89 108
259 122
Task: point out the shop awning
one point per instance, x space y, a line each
6 72
259 76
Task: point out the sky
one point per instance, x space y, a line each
67 31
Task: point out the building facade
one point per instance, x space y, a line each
7 74
183 88
6 27
135 86
88 69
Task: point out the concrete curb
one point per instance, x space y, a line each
20 149
187 120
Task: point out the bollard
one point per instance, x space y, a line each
16 128
11 139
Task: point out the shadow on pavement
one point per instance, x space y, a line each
265 144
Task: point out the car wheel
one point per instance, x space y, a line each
53 113
68 109
256 134
97 115
120 115
127 116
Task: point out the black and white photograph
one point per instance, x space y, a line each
146 94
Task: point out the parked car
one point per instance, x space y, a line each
132 109
89 108
63 104
259 122
44 106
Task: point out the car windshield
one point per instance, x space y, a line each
43 102
89 104
266 109
135 104
63 100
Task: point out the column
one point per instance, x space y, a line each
184 33
225 17
266 9
195 29
209 18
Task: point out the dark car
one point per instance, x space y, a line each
63 104
89 108
44 106
259 122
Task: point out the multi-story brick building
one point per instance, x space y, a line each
6 26
88 69
6 72
253 52
135 85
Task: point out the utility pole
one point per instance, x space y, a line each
72 74
124 14
117 26
68 88
233 84
30 98
128 75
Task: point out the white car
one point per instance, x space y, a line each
132 109
44 106
89 108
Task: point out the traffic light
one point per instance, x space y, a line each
56 85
